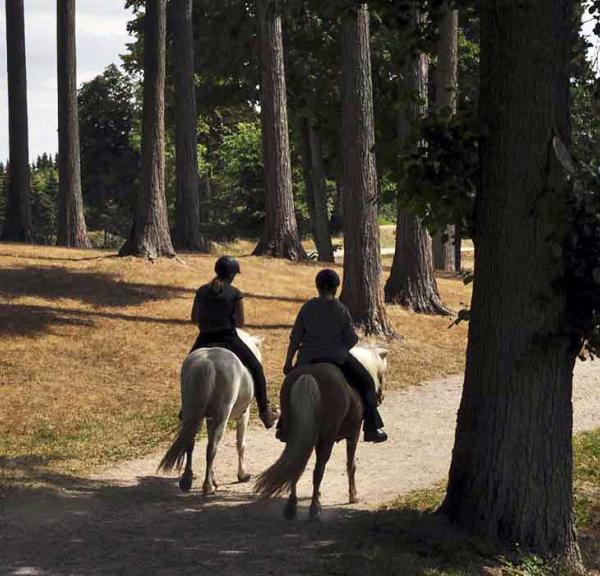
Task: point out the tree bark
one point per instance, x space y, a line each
446 86
280 236
412 282
17 220
72 230
150 237
316 190
186 233
361 291
511 471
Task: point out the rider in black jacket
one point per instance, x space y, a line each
218 310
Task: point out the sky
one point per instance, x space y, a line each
101 38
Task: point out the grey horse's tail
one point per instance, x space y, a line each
196 387
302 429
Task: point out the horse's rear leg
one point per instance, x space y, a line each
215 433
291 508
240 431
351 444
187 478
323 453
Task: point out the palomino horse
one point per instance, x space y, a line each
319 408
214 385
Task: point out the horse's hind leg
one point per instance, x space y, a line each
323 453
351 444
240 431
187 478
291 508
215 433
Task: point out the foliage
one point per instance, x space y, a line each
110 150
44 200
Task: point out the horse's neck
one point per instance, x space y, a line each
249 341
363 355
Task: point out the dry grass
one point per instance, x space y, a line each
92 344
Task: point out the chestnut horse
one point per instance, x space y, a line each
319 408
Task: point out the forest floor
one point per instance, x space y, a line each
91 346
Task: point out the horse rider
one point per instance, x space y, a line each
218 310
324 332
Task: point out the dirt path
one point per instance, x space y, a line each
127 520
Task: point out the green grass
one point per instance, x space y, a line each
406 538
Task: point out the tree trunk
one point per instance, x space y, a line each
150 237
446 85
280 236
511 471
17 220
316 190
362 291
72 230
412 282
186 233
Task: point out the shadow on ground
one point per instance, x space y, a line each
79 526
97 289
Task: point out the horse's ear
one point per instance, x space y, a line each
383 353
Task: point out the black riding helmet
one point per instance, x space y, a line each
327 279
227 267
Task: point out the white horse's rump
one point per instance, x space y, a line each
215 386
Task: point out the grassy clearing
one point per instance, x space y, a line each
405 538
92 344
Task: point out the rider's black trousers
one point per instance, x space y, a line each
230 340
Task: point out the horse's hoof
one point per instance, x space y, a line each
314 514
185 482
290 511
243 478
208 489
354 500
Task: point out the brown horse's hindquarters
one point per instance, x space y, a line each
341 411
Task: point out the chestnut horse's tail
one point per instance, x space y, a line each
302 428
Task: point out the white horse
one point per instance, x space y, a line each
214 385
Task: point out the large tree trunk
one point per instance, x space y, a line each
511 472
280 236
412 282
17 220
362 291
316 189
72 230
186 233
446 84
150 237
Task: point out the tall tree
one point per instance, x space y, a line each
446 85
17 221
511 471
412 282
186 233
316 189
150 237
280 236
362 291
72 230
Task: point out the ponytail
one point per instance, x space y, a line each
217 284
